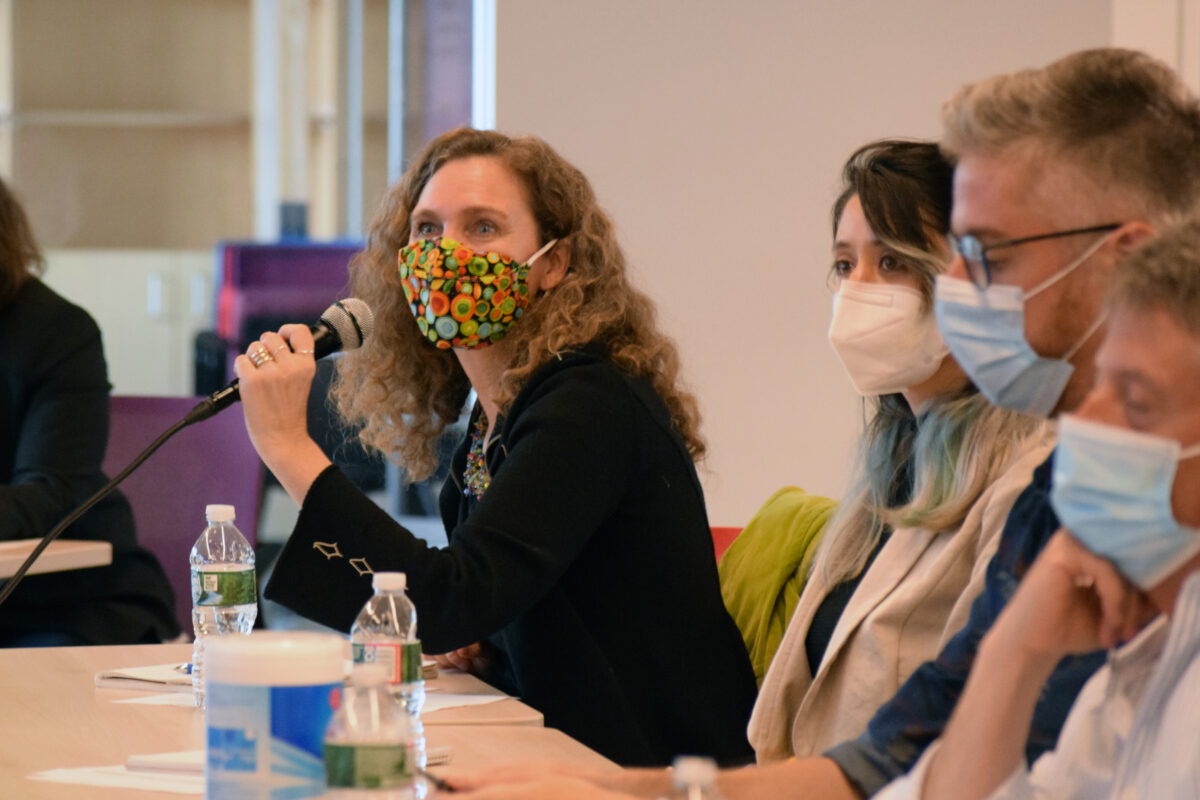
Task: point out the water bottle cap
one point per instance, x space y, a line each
219 513
369 675
389 581
695 771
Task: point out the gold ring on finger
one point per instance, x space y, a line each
260 356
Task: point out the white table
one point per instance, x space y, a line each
59 555
54 717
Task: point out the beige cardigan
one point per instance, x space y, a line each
914 597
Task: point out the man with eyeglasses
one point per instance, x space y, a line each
1060 172
1003 364
1127 488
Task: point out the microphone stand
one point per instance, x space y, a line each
201 411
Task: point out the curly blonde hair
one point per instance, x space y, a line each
403 392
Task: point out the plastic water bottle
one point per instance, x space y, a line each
224 593
369 742
385 633
695 778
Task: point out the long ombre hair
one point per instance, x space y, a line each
403 392
924 471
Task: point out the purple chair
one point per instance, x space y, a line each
210 462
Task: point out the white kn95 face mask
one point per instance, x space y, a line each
884 338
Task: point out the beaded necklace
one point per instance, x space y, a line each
476 475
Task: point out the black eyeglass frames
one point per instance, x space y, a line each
974 252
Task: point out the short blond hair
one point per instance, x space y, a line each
1122 117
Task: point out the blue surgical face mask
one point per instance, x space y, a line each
985 331
1112 491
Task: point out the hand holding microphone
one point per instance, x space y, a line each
274 378
345 325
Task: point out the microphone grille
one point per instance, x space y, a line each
352 320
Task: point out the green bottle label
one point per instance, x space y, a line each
367 766
410 662
401 662
223 588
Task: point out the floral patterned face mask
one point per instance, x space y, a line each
462 298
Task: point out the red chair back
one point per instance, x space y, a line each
722 538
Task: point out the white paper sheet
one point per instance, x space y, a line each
182 761
171 699
157 678
433 702
120 777
436 702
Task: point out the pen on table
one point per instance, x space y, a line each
184 668
438 783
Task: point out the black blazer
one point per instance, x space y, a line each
53 432
587 566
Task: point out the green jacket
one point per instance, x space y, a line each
764 570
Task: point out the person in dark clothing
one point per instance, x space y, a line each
54 411
579 573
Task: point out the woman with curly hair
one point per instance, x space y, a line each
579 574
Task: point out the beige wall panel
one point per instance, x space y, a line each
133 54
135 187
375 183
375 58
323 180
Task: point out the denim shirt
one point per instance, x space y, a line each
919 711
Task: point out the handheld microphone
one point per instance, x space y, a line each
345 325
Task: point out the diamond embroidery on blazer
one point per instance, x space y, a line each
328 549
361 566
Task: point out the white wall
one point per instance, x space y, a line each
149 304
1167 29
714 132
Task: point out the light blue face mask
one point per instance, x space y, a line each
1112 490
985 331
